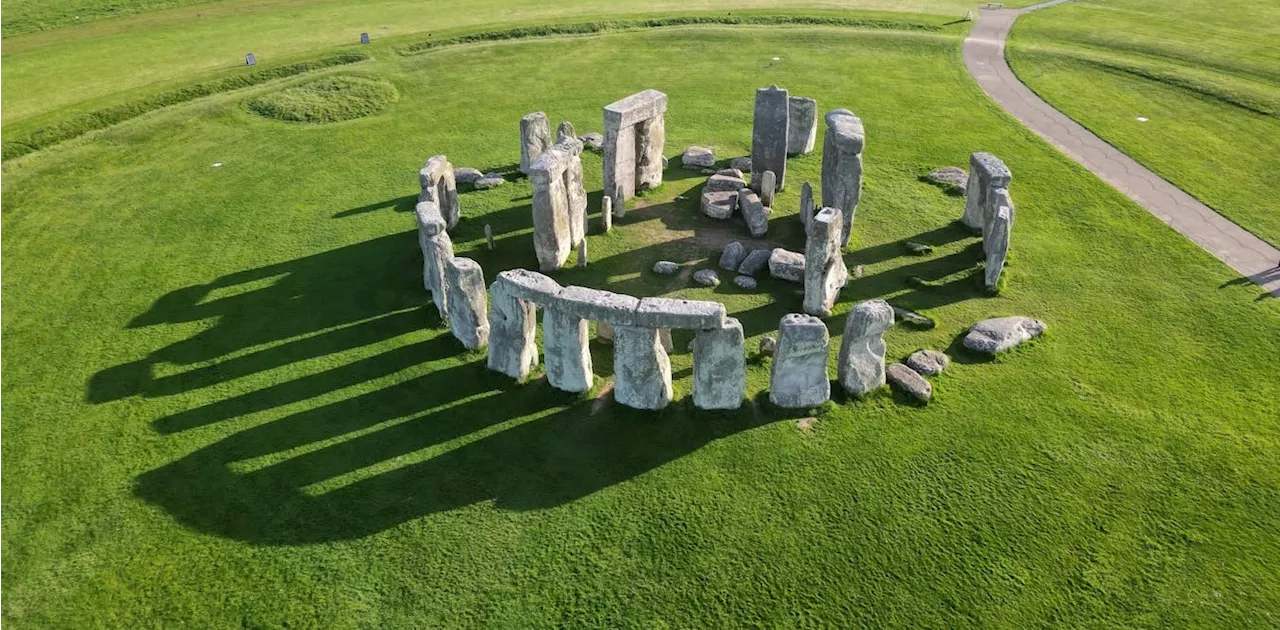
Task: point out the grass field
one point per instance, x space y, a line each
1206 75
227 402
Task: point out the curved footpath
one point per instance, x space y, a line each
1241 250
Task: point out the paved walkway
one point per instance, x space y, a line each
1241 250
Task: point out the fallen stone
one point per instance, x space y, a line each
755 262
769 126
768 187
466 175
767 346
718 204
707 171
746 282
802 127
913 318
468 302
642 369
786 265
861 361
489 181
951 176
909 381
734 254
798 376
825 272
754 212
706 278
991 336
676 313
698 157
928 362
741 164
719 367
665 267
592 140
918 249
724 182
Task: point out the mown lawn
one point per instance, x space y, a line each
227 401
1206 76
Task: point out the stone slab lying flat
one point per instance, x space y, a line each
991 336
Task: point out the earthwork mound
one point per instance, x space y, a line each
326 100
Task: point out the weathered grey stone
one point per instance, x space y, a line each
909 317
768 187
437 249
724 181
746 282
430 222
991 336
861 361
986 174
489 181
707 171
953 177
530 285
842 166
767 346
993 201
741 164
719 204
657 312
918 249
664 338
719 367
996 243
597 305
706 277
802 131
466 175
769 135
786 265
642 378
582 254
665 267
604 332
468 302
798 376
734 254
565 132
807 209
753 212
698 157
592 140
535 137
438 184
755 262
552 230
606 214
928 362
576 192
909 381
488 236
825 272
566 353
512 325
634 135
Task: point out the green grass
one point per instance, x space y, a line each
326 100
1205 75
228 403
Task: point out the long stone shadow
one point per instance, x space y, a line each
316 487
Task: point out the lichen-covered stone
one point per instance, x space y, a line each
798 376
535 137
634 136
724 182
665 267
657 312
719 204
706 278
786 265
952 177
802 127
755 262
596 305
928 362
698 157
567 355
552 232
768 187
861 361
807 209
606 214
719 367
491 180
986 174
439 185
467 302
767 346
991 336
565 132
437 249
825 272
746 282
753 212
741 164
909 381
512 326
996 243
842 166
466 175
734 254
769 127
642 378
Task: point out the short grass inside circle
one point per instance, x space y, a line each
326 100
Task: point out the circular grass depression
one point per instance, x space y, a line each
326 100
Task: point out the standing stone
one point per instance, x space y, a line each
566 353
987 173
606 214
824 273
861 361
995 200
798 377
807 209
565 132
734 254
786 265
468 302
488 236
664 337
634 136
439 185
642 378
719 367
769 135
576 191
802 132
753 211
535 137
512 325
842 166
437 249
768 186
582 254
604 332
552 239
996 244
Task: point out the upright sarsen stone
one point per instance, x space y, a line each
824 269
552 238
437 249
807 207
798 377
987 173
769 135
535 137
996 245
861 361
634 136
642 377
802 125
468 302
566 132
567 355
439 185
842 166
512 326
719 367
